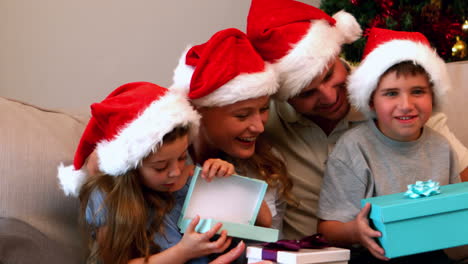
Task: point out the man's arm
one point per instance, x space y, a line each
464 175
438 122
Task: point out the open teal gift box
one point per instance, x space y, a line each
234 201
410 226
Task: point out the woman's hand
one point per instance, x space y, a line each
216 168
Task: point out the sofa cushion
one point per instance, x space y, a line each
20 243
33 143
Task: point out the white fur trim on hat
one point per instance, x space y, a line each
144 134
363 81
242 87
70 179
182 74
310 56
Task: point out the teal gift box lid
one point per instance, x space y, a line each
415 225
234 201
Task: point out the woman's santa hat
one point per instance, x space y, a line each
385 48
125 127
224 70
298 39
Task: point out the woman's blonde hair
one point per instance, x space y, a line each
129 231
270 168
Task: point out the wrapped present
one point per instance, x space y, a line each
234 201
311 249
425 218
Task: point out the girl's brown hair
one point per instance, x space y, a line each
129 206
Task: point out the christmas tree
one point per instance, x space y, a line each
443 22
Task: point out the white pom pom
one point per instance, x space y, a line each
348 26
70 179
182 75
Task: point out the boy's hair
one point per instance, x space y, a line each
404 68
128 206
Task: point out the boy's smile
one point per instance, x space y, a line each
403 104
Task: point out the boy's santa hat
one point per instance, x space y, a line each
126 127
385 48
298 39
224 70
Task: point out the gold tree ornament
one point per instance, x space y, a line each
465 26
459 49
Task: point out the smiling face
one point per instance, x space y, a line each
162 170
233 129
325 97
403 104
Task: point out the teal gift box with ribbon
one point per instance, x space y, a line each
233 201
415 225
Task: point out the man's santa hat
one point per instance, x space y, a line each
385 48
125 127
224 70
298 39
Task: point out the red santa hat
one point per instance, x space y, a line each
224 70
298 39
126 127
385 48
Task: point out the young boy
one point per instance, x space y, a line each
397 85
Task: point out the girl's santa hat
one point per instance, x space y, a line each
224 70
126 127
298 39
385 48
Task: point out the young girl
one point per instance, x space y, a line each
140 135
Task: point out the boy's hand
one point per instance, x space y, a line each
366 234
216 168
197 245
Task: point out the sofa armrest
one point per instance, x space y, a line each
33 143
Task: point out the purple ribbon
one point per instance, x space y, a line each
270 250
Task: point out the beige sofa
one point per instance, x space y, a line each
33 141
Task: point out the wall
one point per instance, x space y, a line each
455 107
67 53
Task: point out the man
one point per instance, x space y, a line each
312 110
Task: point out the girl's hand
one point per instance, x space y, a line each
195 245
366 234
216 168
